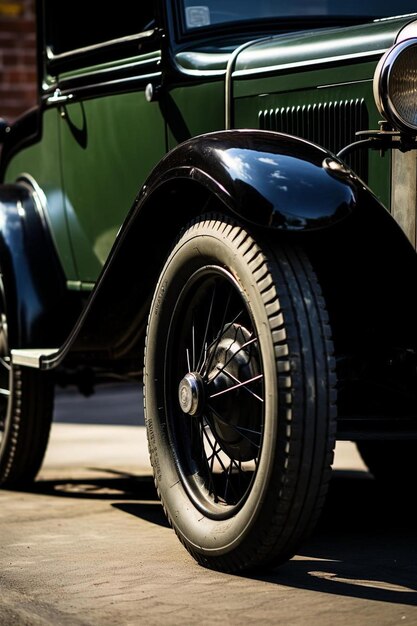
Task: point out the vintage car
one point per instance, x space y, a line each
218 201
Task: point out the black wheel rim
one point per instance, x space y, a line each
214 392
5 364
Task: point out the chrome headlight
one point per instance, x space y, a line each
395 86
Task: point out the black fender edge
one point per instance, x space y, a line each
266 178
40 310
270 181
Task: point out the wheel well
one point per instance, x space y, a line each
114 323
367 270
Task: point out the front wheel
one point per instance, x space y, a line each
239 396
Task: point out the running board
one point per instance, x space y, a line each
32 357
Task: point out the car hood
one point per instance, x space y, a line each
305 47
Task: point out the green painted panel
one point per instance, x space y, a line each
109 146
195 109
41 162
314 77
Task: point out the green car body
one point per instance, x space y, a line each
141 131
327 69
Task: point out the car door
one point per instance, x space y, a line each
111 135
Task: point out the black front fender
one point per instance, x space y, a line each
272 181
264 177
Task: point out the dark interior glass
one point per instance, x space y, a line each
78 24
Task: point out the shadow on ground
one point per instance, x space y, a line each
117 487
364 546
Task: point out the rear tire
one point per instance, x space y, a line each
26 409
239 396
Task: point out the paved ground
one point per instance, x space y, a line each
90 545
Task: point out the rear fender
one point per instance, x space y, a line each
38 305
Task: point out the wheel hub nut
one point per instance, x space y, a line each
190 393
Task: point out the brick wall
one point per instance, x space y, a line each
17 58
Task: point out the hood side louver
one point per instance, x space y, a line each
331 125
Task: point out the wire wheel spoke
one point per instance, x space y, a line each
247 433
216 377
238 384
226 468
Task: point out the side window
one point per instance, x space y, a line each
75 24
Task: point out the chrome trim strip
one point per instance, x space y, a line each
228 96
117 81
394 17
290 66
96 89
51 57
89 78
228 84
347 82
116 68
295 65
201 73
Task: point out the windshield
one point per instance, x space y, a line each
211 12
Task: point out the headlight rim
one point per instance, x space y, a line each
382 97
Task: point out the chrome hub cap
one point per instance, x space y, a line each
191 393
